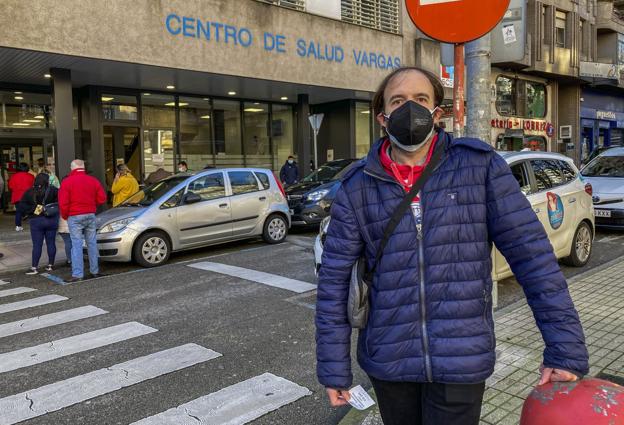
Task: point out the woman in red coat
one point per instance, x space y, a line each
19 183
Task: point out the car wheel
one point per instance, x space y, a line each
275 229
581 246
152 249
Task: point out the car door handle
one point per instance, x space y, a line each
571 200
262 198
537 210
223 205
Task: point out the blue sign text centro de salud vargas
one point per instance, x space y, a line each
230 35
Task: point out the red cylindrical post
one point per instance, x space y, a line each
458 91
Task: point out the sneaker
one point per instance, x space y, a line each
74 279
96 275
33 270
49 268
19 229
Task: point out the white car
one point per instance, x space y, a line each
559 196
606 175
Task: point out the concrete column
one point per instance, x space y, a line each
478 69
95 156
303 140
63 111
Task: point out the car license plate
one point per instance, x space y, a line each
602 213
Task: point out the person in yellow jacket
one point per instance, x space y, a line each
124 185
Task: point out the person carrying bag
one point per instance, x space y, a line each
41 204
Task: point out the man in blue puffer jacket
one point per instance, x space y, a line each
428 346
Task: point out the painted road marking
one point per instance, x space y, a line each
33 302
256 276
237 404
56 396
53 319
15 291
54 278
609 239
4 282
67 346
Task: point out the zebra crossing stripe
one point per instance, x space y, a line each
52 319
3 282
15 291
56 396
237 404
33 302
67 346
256 276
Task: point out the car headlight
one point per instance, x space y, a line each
317 195
116 225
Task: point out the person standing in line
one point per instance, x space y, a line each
43 225
289 174
19 183
124 185
429 344
79 197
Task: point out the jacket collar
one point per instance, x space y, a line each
375 168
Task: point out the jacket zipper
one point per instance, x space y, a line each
423 311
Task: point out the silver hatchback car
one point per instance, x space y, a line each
188 211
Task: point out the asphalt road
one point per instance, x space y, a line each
255 327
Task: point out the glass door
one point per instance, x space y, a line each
121 146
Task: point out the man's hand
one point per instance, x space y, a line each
338 397
550 374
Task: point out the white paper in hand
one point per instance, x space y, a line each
360 398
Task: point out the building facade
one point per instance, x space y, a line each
211 82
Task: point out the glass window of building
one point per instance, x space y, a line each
119 107
536 100
362 129
561 19
226 118
282 131
196 141
159 124
506 95
25 110
256 132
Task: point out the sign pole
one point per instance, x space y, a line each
315 150
458 92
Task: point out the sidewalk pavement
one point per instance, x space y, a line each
598 296
17 253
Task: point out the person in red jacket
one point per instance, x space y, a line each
79 197
19 183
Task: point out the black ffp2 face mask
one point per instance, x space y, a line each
410 126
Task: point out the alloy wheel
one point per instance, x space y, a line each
583 243
154 250
277 229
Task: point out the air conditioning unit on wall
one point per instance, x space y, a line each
565 131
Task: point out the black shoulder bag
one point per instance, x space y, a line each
52 209
361 278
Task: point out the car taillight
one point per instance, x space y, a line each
589 189
279 184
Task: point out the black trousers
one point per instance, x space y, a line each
411 403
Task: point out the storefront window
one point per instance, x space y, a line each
196 141
362 129
506 96
25 110
257 141
282 131
521 98
118 107
536 100
158 113
227 133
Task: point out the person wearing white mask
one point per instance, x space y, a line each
289 174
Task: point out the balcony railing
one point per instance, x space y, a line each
290 4
379 14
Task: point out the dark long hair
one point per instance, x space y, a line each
42 182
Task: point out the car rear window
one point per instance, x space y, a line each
264 179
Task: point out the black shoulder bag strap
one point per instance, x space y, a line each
405 203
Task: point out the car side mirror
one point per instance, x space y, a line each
191 198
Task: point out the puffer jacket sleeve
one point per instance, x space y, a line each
518 234
342 248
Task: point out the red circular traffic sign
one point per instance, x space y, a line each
456 21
